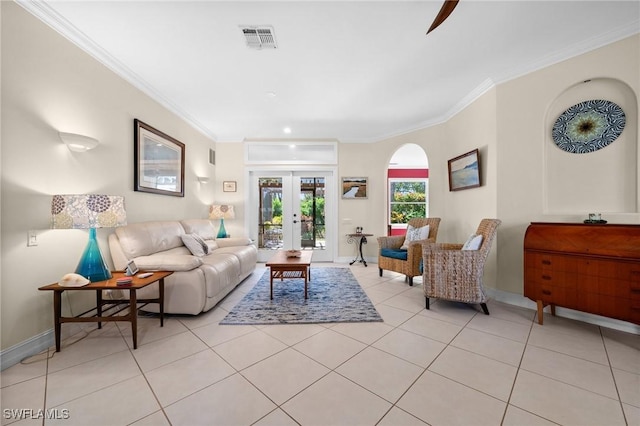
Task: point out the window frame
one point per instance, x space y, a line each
390 202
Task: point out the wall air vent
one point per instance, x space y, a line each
259 37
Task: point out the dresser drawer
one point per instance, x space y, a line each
622 309
554 262
554 278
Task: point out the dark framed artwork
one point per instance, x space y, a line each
464 171
354 188
158 161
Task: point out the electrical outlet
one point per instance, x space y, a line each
32 238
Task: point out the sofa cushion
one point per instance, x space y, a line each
394 253
202 227
415 234
145 238
169 262
195 244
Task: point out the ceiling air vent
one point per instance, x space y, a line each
259 37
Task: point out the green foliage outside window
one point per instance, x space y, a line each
408 200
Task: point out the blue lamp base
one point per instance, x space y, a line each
92 265
222 233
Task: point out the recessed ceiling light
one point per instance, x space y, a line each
287 130
271 94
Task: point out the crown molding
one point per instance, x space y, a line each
580 48
49 16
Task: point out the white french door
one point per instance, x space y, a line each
292 210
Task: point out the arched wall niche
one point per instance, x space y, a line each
604 181
409 156
408 162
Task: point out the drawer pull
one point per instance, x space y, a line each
547 292
635 308
635 290
546 277
546 262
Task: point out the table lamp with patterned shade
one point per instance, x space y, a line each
222 212
89 211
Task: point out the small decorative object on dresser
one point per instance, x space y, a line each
593 268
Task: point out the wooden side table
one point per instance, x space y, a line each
360 239
110 284
283 267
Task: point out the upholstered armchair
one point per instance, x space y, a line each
454 271
406 261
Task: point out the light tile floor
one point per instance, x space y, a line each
445 366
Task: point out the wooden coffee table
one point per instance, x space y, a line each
110 284
290 267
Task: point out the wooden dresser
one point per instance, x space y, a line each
587 267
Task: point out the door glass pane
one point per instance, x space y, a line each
270 217
312 213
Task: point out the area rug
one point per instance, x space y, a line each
334 296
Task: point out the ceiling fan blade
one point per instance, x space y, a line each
444 13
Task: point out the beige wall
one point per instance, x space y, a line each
522 130
49 85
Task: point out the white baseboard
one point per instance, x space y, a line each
16 353
525 302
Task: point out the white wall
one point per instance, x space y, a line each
49 85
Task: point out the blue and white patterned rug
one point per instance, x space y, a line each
334 296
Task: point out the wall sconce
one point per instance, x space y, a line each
203 179
78 143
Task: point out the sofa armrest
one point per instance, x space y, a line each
233 242
172 262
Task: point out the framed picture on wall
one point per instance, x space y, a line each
158 161
354 188
229 186
464 171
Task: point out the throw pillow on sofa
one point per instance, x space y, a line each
195 244
415 234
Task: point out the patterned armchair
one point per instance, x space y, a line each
392 258
455 274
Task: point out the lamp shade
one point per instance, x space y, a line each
221 211
85 211
89 211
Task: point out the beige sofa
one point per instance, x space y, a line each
199 281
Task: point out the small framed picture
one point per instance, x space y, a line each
354 187
229 186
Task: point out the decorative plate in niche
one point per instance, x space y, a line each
588 126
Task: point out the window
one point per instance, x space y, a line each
407 199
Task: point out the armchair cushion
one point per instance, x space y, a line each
415 234
473 242
394 253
